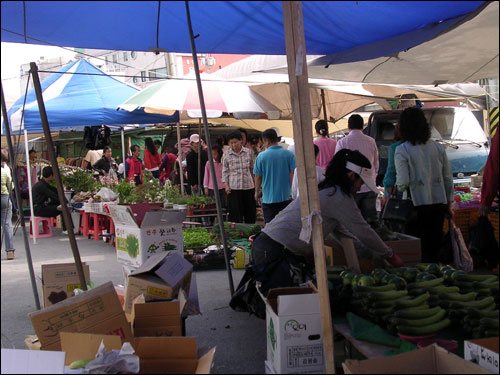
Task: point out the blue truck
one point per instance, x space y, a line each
457 129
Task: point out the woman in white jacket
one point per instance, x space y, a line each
423 167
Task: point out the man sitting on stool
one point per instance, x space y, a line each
45 199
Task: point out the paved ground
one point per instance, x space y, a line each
240 338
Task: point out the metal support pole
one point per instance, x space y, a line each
28 166
323 102
57 176
29 260
124 154
179 153
209 144
200 182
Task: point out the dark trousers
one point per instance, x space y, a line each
48 211
367 204
156 174
266 250
429 228
270 210
241 206
222 195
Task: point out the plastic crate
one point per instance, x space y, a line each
494 221
466 218
97 207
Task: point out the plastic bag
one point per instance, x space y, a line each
461 257
107 194
114 362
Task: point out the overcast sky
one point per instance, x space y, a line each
13 55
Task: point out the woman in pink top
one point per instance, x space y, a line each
326 144
208 182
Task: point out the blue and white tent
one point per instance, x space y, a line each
80 94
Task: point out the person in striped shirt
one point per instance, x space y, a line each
237 167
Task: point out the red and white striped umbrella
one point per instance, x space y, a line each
220 97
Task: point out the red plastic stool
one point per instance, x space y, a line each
111 230
97 225
53 221
84 223
35 223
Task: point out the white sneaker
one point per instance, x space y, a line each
64 232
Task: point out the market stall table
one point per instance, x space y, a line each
204 215
367 349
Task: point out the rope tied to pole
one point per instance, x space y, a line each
306 231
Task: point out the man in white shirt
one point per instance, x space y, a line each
91 158
366 199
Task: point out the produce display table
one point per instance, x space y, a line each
367 349
204 216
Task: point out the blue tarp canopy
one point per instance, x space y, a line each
83 96
237 27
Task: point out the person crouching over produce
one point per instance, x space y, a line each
347 171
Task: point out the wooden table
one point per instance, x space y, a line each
367 349
204 214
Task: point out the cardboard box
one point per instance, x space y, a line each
159 278
85 345
429 360
408 248
21 361
172 355
269 368
32 342
137 240
157 318
60 280
484 352
95 311
294 336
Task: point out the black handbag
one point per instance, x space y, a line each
399 209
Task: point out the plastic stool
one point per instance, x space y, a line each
35 223
53 221
97 225
84 223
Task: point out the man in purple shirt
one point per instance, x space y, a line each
366 199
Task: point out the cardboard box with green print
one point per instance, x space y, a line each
142 231
293 330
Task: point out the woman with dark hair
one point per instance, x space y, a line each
104 164
167 163
422 167
325 143
152 158
344 176
208 181
6 214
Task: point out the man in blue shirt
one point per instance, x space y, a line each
273 171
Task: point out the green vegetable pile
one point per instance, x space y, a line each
149 191
425 299
237 230
196 238
79 181
199 200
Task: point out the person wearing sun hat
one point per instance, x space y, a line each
341 217
192 163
